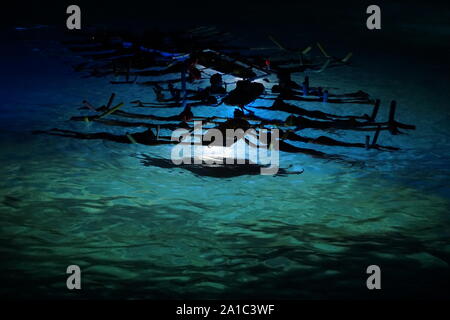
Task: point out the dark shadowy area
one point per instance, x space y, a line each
410 27
403 276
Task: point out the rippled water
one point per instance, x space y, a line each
146 232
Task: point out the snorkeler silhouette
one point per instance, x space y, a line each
146 137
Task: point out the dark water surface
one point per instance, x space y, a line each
141 231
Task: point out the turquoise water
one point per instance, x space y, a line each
148 232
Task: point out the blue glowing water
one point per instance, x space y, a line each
139 231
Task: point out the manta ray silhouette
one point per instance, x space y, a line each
211 170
